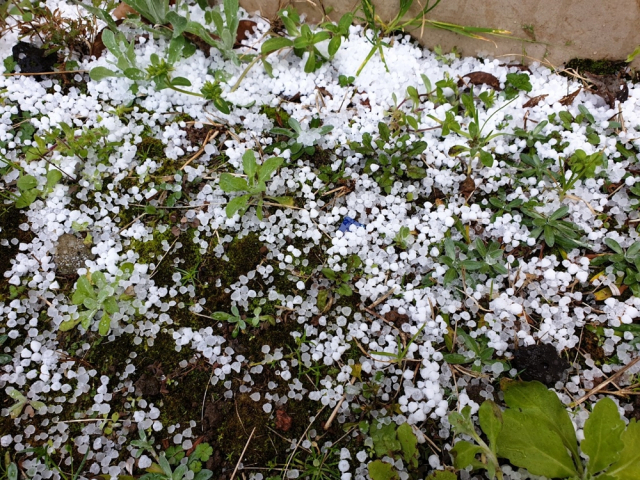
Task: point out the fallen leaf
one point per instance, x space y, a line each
535 101
122 10
480 78
568 99
245 29
283 421
467 187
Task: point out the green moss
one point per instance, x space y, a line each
150 147
598 67
276 115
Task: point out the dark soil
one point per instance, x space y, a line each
540 362
32 59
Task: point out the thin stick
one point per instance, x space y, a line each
382 298
210 136
158 265
242 454
286 467
328 423
613 377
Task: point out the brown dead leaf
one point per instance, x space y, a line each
97 47
122 10
480 78
468 187
535 101
609 87
200 43
245 29
176 231
283 421
568 99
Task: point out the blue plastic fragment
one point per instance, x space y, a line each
346 223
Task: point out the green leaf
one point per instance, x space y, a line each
110 305
521 81
180 82
275 43
268 167
486 158
231 183
12 471
330 274
408 442
26 182
249 164
602 433
464 454
179 24
535 399
105 325
456 358
613 245
53 177
236 204
549 236
100 73
384 439
461 422
379 470
530 443
628 465
344 290
84 290
442 475
286 201
490 417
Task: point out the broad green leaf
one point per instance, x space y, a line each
100 73
180 82
472 264
464 454
178 22
259 209
408 442
99 280
231 183
379 470
53 177
486 158
268 167
613 245
110 305
104 325
559 213
535 399
164 464
490 417
456 358
84 289
628 465
530 443
442 475
602 433
461 422
203 474
275 43
384 439
249 164
236 204
344 290
5 358
12 471
330 274
85 318
90 303
26 182
286 201
68 325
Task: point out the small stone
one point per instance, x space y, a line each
71 254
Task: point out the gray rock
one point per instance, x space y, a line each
71 254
